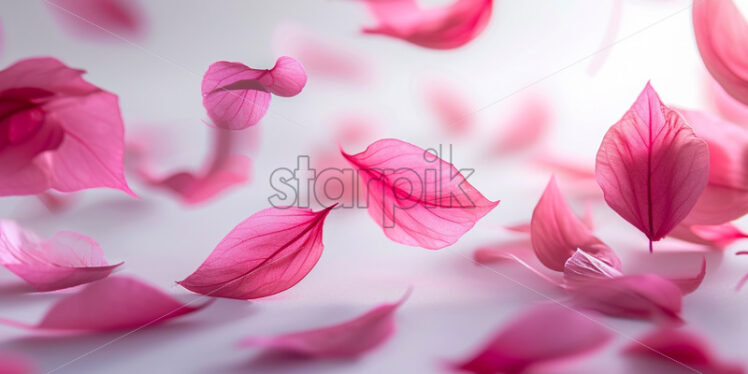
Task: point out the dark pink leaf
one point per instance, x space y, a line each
113 303
681 352
541 335
265 254
721 34
447 27
651 167
416 197
65 260
100 19
347 339
557 233
237 96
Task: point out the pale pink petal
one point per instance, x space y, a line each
515 252
726 196
237 96
265 254
583 267
556 232
100 19
450 105
65 260
721 34
714 236
681 351
609 38
724 104
446 27
651 167
526 128
416 197
351 338
541 335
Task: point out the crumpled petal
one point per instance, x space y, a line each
557 233
682 351
237 96
343 340
265 254
67 259
447 27
721 34
651 167
100 19
543 334
416 197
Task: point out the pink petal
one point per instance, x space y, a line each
351 338
682 351
609 38
557 233
540 335
724 104
265 254
237 96
651 167
11 363
114 303
721 32
527 127
691 284
583 267
446 27
65 260
714 236
100 19
450 105
512 252
726 196
417 198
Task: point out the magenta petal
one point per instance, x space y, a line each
347 339
543 334
265 254
417 198
651 167
721 34
683 352
557 233
237 96
65 260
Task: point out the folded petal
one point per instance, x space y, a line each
540 335
65 260
557 233
344 340
651 167
416 197
265 254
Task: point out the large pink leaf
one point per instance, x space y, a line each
113 303
680 351
726 196
100 19
557 233
447 27
540 335
721 35
237 96
347 339
265 254
416 197
651 167
65 260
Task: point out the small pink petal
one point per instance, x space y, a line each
583 267
691 284
683 352
541 335
609 38
714 236
237 96
527 127
651 167
724 104
100 19
67 259
447 27
512 252
352 338
450 105
265 254
416 197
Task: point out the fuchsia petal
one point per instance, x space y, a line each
557 233
682 351
721 34
265 254
100 19
65 260
237 96
347 339
417 198
543 334
651 167
714 236
726 196
447 27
